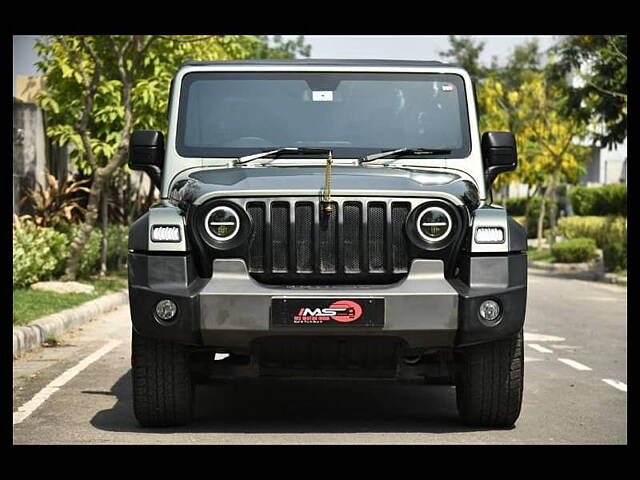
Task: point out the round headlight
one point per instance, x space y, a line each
222 223
434 224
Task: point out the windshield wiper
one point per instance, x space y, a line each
278 151
404 151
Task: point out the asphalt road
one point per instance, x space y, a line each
575 339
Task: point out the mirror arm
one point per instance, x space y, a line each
154 173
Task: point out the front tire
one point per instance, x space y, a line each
163 390
489 382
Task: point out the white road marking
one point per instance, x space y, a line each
221 356
574 364
615 384
539 348
538 337
39 398
531 359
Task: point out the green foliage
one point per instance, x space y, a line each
603 200
277 48
516 207
574 251
604 230
118 245
117 248
600 63
57 202
38 253
465 52
615 256
68 64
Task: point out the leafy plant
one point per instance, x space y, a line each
575 250
603 200
57 201
604 230
615 256
39 253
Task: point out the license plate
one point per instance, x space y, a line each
327 312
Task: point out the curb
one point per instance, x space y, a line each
582 271
30 336
613 278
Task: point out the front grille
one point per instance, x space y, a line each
301 240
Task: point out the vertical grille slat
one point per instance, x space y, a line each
304 237
279 237
328 242
399 213
375 236
256 240
352 220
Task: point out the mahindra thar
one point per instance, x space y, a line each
326 219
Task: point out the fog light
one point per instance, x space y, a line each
489 310
166 309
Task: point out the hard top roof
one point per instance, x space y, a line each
329 62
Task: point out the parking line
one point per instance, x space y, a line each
39 398
539 348
574 364
615 384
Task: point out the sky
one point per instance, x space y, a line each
400 47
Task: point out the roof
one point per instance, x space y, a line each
331 62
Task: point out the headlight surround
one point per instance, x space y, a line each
434 224
222 223
447 222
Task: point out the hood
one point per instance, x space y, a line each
201 185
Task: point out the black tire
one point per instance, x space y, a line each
163 390
489 383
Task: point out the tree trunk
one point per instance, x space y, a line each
541 218
105 241
553 207
90 219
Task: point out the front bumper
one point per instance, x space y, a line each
231 310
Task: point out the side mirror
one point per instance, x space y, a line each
146 153
499 154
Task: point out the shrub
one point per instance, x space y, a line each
516 207
575 250
41 253
604 200
615 256
604 230
38 253
117 248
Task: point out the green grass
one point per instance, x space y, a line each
542 255
28 305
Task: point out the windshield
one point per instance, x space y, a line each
235 114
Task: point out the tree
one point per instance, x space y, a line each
277 48
599 63
555 136
546 139
466 53
99 88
